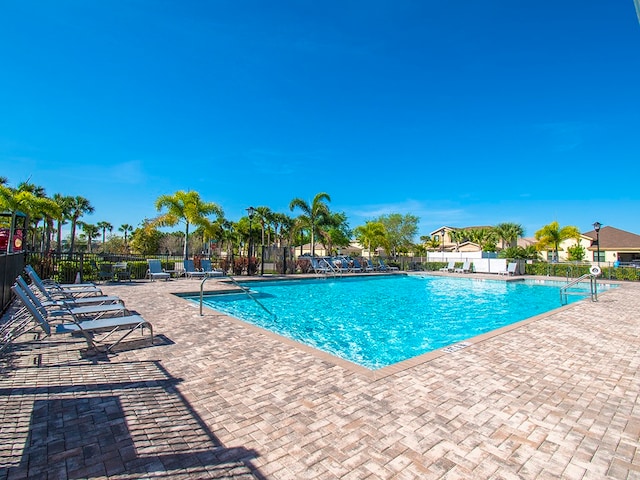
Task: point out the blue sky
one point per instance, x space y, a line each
462 113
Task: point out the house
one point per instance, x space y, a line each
615 245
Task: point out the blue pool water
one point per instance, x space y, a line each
376 322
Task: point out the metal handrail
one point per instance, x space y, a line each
593 284
243 289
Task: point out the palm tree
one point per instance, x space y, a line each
457 236
91 231
125 228
371 234
15 201
508 233
64 212
313 216
78 207
42 207
552 236
264 217
185 207
104 226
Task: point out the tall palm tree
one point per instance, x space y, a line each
38 211
104 226
185 207
91 231
552 236
508 233
125 228
313 216
264 217
78 207
64 212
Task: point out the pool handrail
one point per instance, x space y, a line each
243 289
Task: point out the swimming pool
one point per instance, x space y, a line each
379 321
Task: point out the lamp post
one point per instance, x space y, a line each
442 243
596 227
250 212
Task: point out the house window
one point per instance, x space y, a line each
550 255
436 238
598 259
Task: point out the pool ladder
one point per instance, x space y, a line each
243 289
593 285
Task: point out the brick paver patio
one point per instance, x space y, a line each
555 397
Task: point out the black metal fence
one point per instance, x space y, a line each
11 265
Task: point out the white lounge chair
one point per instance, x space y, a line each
450 266
511 269
466 268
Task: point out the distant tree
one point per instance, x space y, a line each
508 233
400 231
104 226
126 229
78 207
172 242
283 225
577 253
485 237
64 204
186 207
528 253
371 235
337 233
551 236
145 240
314 216
264 215
91 231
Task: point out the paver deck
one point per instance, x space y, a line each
555 397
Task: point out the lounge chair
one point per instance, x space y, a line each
339 264
466 267
76 312
511 269
155 270
208 270
88 328
369 266
385 268
450 266
104 271
355 266
55 298
320 265
74 290
190 270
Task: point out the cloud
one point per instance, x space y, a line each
565 136
130 172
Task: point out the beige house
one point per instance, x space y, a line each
615 246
